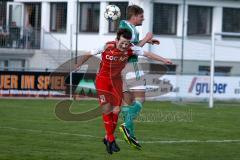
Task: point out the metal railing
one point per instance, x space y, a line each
20 37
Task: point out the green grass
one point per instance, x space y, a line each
29 130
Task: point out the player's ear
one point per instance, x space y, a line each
134 17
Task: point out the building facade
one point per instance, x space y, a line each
48 32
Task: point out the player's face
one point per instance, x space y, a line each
123 44
139 19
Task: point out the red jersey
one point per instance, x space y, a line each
113 61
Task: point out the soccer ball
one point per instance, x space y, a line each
112 12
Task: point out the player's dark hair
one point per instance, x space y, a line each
125 33
133 10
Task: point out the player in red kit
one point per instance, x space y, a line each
108 83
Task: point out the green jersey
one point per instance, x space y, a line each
135 34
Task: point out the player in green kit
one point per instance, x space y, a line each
132 100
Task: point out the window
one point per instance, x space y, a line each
113 26
16 65
58 19
162 69
204 70
199 20
89 17
171 69
219 70
2 65
165 19
3 14
32 25
231 20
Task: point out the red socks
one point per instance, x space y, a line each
110 123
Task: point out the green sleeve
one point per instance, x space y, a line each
122 24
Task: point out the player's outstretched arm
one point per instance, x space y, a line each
83 58
148 39
156 57
145 40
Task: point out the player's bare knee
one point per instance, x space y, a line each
107 108
127 98
139 95
140 99
116 110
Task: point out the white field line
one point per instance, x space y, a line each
143 141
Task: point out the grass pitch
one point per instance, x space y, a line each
29 130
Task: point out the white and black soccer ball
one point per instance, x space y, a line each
112 12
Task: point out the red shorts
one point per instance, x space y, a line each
109 91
